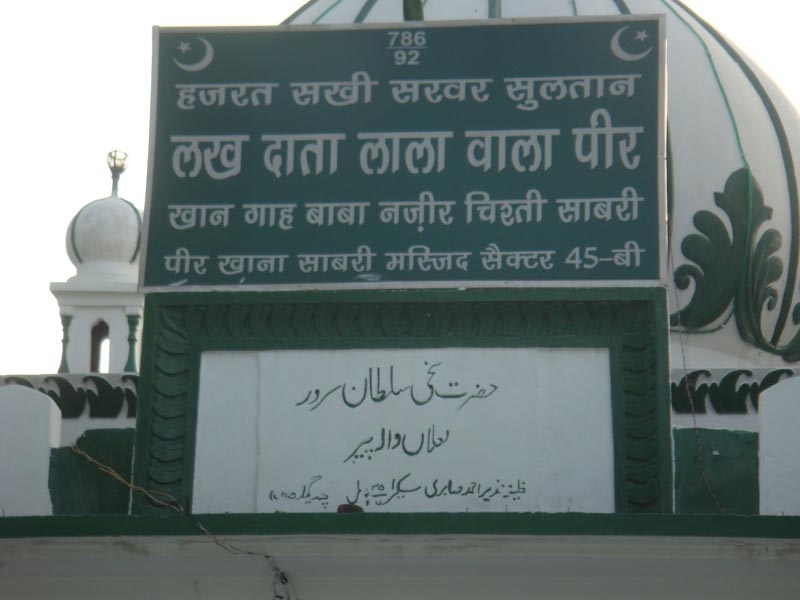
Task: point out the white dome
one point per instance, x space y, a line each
734 247
104 239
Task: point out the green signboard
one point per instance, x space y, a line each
428 155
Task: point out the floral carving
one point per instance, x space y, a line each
734 273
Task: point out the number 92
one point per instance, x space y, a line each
406 57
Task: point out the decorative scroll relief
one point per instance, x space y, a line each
434 430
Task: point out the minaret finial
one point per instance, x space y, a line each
116 162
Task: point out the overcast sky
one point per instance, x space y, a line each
77 84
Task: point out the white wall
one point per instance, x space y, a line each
779 449
29 427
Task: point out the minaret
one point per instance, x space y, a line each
100 306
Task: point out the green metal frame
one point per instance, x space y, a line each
630 322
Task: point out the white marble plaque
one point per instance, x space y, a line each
442 430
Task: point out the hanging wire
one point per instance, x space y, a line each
282 587
326 11
680 330
701 460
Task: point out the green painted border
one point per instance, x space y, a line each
561 524
630 322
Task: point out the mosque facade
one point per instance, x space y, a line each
654 421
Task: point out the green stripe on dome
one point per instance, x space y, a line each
138 233
412 10
622 7
290 19
791 177
72 241
495 9
326 11
742 285
365 10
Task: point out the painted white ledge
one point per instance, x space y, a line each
390 567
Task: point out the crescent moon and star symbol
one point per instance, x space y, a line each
640 37
186 48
